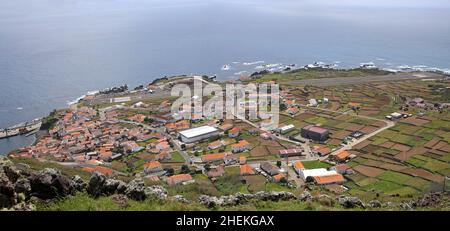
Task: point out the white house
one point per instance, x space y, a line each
286 129
313 102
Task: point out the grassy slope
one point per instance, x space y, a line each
83 202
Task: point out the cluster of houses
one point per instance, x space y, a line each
83 136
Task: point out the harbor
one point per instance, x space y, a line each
25 128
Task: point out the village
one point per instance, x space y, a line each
327 138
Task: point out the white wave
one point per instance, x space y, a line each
320 63
240 72
76 100
252 63
404 67
380 59
93 92
273 65
19 108
390 69
270 65
368 63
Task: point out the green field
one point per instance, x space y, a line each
315 164
430 164
176 158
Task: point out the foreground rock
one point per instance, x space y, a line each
156 191
50 183
78 183
18 184
136 189
99 185
180 198
96 184
350 202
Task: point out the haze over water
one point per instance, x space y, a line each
52 51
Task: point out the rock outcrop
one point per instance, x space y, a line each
50 183
180 198
136 189
18 183
350 202
96 184
78 183
157 191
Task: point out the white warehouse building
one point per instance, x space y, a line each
315 172
198 133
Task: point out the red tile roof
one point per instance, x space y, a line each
298 165
212 157
152 164
176 179
246 169
329 179
342 155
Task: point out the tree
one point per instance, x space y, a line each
282 107
170 171
183 146
309 179
149 120
279 163
185 169
207 167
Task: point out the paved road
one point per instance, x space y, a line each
324 82
107 98
365 137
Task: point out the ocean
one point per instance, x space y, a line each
53 51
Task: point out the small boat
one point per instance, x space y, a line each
225 67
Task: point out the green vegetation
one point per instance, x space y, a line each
315 164
316 120
430 164
37 165
230 182
394 177
383 186
84 202
49 121
176 157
